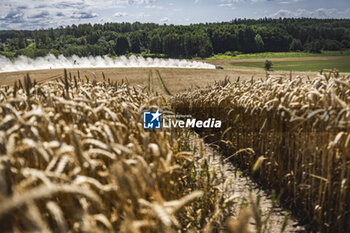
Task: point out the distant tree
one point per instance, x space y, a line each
332 45
135 42
296 45
259 43
21 41
172 45
93 38
268 65
44 39
197 40
346 43
205 48
122 45
52 34
313 47
155 44
37 41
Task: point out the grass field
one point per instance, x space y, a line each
280 55
343 65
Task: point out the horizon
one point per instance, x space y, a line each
32 15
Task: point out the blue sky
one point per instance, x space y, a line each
35 14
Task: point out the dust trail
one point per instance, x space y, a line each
53 62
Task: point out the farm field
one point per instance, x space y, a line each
295 131
223 116
176 80
79 143
96 114
341 64
281 55
304 64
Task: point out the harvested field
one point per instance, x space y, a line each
176 80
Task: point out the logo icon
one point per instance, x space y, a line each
151 120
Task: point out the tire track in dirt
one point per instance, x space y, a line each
242 189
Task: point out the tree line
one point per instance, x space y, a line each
196 40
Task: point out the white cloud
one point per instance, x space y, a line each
142 15
196 1
34 14
321 13
290 1
141 1
153 7
120 14
238 1
227 5
164 20
120 7
84 15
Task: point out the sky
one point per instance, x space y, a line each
37 14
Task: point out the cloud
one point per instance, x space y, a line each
83 15
42 14
142 15
243 1
14 16
164 20
196 1
34 14
320 13
120 14
227 5
290 1
153 7
60 14
141 1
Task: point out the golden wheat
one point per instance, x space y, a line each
299 131
74 157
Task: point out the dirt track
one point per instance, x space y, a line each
176 80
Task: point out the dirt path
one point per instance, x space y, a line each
241 186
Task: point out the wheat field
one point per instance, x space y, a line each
291 134
74 157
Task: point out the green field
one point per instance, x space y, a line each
343 65
279 55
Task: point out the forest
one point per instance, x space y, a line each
178 41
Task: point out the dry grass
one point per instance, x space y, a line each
176 80
299 130
75 157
